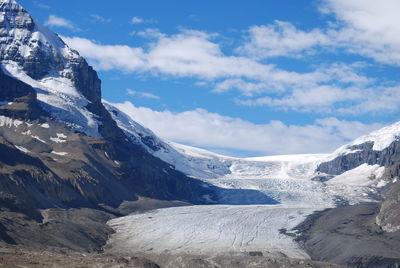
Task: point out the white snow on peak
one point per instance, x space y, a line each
9 2
381 139
24 41
22 37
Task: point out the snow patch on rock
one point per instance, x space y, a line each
22 149
59 97
59 153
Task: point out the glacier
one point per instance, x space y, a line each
260 199
239 223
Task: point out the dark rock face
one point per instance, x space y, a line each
365 154
11 89
77 229
84 176
85 80
21 98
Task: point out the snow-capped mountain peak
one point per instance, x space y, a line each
23 40
67 87
379 140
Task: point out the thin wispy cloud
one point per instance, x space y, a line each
56 21
41 5
150 33
140 94
139 20
101 19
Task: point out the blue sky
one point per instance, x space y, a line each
241 77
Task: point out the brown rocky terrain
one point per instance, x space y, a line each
11 257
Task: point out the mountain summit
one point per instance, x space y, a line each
67 87
60 146
40 53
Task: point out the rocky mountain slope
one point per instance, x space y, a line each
60 147
381 148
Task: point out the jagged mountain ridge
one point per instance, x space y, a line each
66 149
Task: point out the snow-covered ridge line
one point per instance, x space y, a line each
195 162
381 139
203 164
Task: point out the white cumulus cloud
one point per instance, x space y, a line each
282 39
205 129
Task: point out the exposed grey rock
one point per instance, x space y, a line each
21 98
365 154
389 214
349 236
75 229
